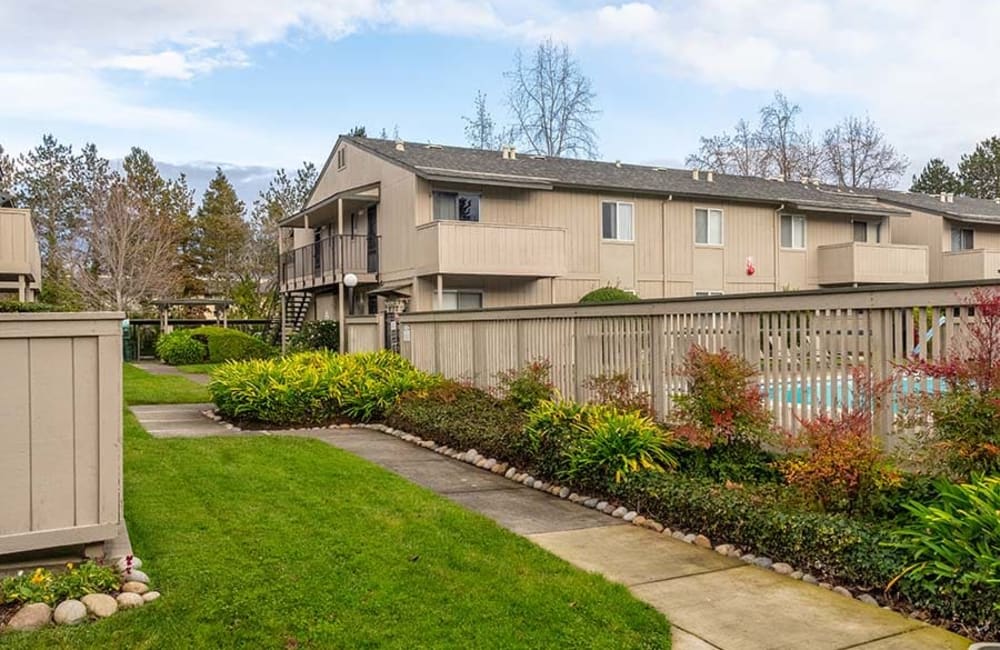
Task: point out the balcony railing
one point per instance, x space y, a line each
325 260
861 263
976 264
475 248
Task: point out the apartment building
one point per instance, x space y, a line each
20 262
962 235
443 227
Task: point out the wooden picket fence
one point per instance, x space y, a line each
803 344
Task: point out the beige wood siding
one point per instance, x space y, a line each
856 263
60 396
457 247
19 254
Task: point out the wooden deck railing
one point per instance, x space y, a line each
802 343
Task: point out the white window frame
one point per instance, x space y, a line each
631 227
455 292
800 218
708 227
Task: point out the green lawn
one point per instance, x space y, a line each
282 542
200 368
142 387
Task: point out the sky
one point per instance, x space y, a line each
257 84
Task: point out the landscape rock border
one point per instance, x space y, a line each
133 592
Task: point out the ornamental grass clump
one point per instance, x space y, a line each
314 388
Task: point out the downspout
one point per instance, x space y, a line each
777 244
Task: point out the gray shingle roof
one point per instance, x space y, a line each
962 208
439 162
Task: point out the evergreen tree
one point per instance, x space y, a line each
221 235
935 178
979 172
358 132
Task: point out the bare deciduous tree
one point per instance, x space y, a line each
131 252
858 155
552 103
480 130
741 153
779 135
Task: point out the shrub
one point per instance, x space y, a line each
954 541
738 461
843 467
314 387
14 306
226 344
608 294
462 417
619 391
964 433
179 348
316 335
527 387
44 586
724 403
617 445
552 429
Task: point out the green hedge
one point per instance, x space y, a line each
608 294
315 388
316 335
179 347
226 344
14 306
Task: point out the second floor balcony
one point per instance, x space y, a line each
476 248
18 247
975 264
862 263
326 260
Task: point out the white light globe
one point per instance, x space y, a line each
350 280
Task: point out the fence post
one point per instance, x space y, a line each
657 327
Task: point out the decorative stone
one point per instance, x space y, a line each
748 558
135 575
129 600
100 605
825 585
529 480
723 549
630 515
121 564
678 534
510 472
537 484
639 520
544 487
601 505
702 541
689 538
843 592
150 596
782 568
135 587
70 612
736 553
30 617
667 531
764 562
563 492
868 599
809 579
796 575
574 497
654 525
608 509
591 503
619 512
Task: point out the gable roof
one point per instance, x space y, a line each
960 208
488 167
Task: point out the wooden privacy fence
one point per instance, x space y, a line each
803 344
364 333
60 429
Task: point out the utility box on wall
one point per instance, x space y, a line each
60 430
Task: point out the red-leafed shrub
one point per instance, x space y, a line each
960 432
620 391
724 403
842 466
527 387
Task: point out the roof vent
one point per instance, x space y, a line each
947 197
709 176
508 153
694 174
431 145
618 164
659 169
780 179
400 146
538 156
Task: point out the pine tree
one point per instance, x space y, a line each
935 178
358 132
979 172
221 235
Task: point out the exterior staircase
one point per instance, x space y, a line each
297 304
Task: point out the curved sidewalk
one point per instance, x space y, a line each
712 602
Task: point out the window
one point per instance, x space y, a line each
860 231
616 221
865 231
793 231
452 300
453 206
708 226
962 239
342 158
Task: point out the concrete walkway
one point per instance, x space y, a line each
157 368
713 602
